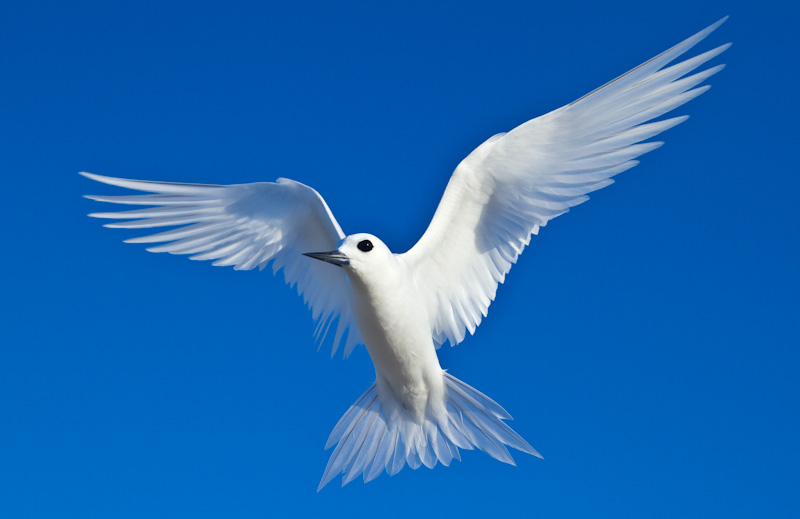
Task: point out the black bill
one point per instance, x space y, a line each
333 257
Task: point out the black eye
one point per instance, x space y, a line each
365 245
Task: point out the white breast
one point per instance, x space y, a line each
396 331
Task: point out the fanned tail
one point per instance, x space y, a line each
376 434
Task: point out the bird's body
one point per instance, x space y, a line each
396 334
402 307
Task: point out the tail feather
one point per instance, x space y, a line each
398 456
366 453
480 438
375 436
486 422
440 448
347 419
477 398
352 438
383 455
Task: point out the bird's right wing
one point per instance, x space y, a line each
246 226
514 183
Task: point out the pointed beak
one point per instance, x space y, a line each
333 257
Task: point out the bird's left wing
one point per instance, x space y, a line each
246 226
514 183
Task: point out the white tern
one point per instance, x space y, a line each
403 307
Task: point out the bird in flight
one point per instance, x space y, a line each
403 307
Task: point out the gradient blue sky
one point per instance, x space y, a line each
646 343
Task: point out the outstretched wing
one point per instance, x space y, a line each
246 226
514 183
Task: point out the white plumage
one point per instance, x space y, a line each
404 306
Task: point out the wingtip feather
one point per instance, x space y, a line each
713 27
99 178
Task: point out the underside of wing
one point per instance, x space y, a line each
246 226
514 183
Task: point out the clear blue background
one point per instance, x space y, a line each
646 343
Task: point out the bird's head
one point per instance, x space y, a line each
362 255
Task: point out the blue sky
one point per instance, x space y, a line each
646 342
